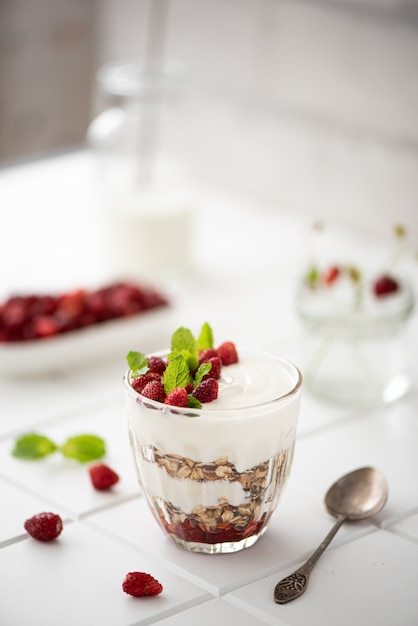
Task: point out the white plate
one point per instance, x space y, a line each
145 332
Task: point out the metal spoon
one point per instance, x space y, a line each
355 496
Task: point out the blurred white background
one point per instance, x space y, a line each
311 105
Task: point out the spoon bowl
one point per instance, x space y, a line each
355 496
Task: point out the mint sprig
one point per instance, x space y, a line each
194 403
182 362
203 369
82 448
183 342
177 373
205 339
138 362
33 446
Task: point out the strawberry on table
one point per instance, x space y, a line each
44 526
141 584
102 476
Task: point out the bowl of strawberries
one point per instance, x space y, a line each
48 332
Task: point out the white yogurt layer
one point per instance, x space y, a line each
253 380
248 423
187 494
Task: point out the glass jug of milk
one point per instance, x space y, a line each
142 144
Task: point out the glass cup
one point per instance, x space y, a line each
213 477
355 357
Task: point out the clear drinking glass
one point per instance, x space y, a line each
213 477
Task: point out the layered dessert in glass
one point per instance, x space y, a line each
213 474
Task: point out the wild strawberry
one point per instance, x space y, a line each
331 275
42 305
44 526
45 326
140 584
102 476
205 355
122 300
177 397
154 391
139 382
215 370
156 364
228 353
385 285
15 312
207 390
73 302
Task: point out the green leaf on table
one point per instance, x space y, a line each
177 373
205 339
84 448
138 362
32 446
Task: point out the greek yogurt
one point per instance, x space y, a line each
213 476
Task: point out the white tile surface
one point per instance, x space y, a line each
288 535
407 527
30 401
249 289
213 611
66 481
385 438
18 505
78 580
347 587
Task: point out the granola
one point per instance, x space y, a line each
206 523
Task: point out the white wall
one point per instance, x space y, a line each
310 104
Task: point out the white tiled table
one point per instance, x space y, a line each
368 575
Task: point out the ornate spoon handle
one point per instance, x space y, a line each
294 585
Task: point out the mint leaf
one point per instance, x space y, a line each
183 342
194 403
203 369
138 362
33 446
84 448
183 339
205 339
313 276
176 374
